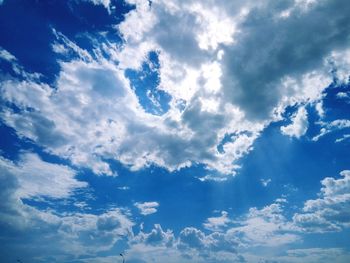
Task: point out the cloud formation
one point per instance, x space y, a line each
48 233
299 124
220 85
147 208
37 178
329 212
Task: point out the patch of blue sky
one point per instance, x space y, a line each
6 68
26 29
337 239
145 84
155 184
337 107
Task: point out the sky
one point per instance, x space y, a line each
175 131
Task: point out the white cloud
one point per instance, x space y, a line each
37 178
147 208
194 240
49 234
217 223
4 54
319 108
66 47
124 188
105 3
265 227
226 84
329 212
94 114
157 237
265 182
299 124
328 127
343 95
345 137
341 60
89 233
192 245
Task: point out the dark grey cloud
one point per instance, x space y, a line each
269 48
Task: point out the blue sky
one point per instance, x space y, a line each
175 131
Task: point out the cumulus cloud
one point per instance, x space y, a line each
226 78
193 240
265 227
256 68
217 223
147 208
157 237
89 233
48 234
329 212
341 60
94 114
191 245
299 124
239 238
37 178
230 68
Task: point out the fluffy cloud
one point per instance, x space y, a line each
147 208
216 223
257 67
37 178
94 115
341 59
248 237
265 227
157 237
50 235
329 212
299 124
89 233
193 242
231 80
